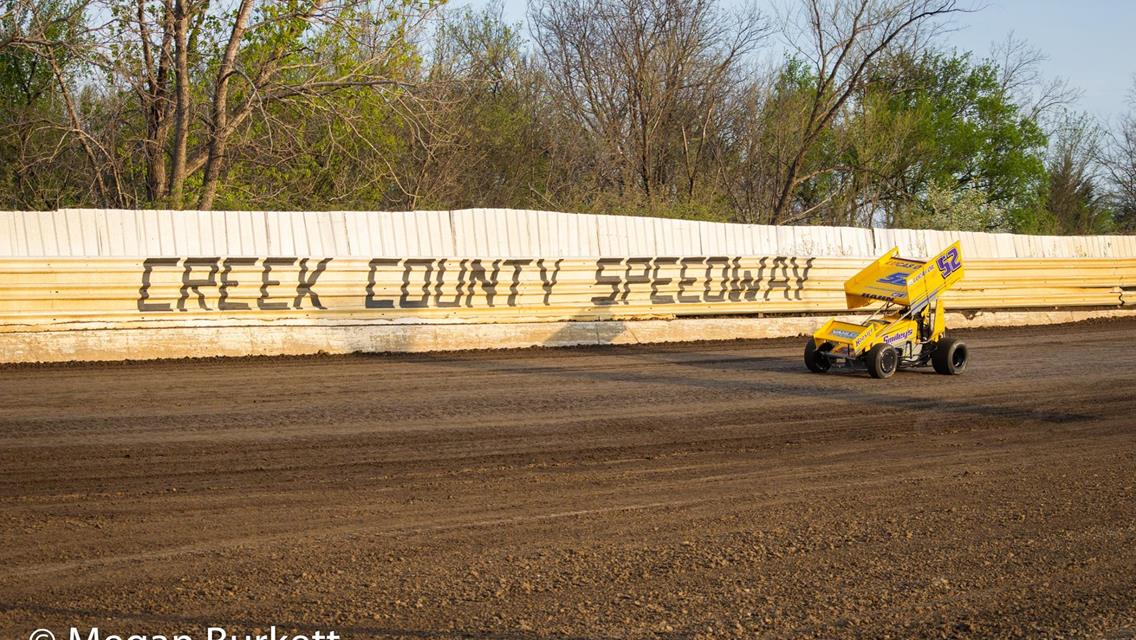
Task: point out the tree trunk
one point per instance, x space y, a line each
156 101
219 129
181 124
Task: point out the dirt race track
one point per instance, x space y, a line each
700 490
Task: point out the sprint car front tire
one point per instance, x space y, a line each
816 358
882 361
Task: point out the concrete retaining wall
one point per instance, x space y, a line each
81 285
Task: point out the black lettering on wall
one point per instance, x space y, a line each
515 281
657 282
423 300
304 285
456 302
144 291
265 282
440 281
712 279
372 267
488 283
684 282
803 277
720 296
190 283
611 281
643 277
782 283
744 285
227 283
547 282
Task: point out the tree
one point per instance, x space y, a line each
1020 75
841 41
204 76
46 44
642 83
480 136
961 130
305 51
1119 161
1074 196
764 124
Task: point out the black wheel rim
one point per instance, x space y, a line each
958 358
888 360
821 357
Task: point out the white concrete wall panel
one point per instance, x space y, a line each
486 233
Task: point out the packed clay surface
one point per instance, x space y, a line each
677 491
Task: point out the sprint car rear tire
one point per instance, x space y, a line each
949 357
816 358
882 361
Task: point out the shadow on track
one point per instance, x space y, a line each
791 380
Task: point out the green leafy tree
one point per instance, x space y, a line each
962 131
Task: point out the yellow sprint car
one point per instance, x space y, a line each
907 330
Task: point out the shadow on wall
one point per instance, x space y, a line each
587 330
596 324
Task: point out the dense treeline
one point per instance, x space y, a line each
846 112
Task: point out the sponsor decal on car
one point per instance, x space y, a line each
899 278
949 262
898 337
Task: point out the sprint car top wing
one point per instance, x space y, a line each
906 282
